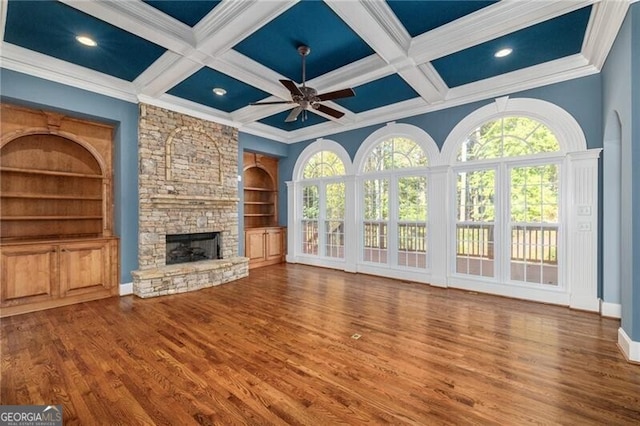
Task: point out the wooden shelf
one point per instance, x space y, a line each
48 172
10 218
259 214
259 203
251 188
29 195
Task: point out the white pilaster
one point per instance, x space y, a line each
351 223
292 219
582 242
438 225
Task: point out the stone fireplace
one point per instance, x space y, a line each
188 185
184 248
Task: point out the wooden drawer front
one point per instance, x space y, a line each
28 274
83 268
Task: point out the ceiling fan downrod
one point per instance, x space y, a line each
304 51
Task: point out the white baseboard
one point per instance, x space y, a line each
610 310
630 349
126 288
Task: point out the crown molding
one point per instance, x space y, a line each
232 21
374 22
137 17
487 24
3 18
26 61
604 24
167 71
190 108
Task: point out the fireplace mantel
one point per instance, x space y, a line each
175 200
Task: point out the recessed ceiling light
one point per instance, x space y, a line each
503 52
87 41
219 91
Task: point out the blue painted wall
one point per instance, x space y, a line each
634 307
26 90
621 98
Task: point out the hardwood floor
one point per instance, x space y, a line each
276 348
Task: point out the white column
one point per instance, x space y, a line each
351 242
293 230
439 224
582 241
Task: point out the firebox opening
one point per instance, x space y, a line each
182 248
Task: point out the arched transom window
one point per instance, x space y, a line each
395 153
508 137
323 164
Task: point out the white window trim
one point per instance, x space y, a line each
578 193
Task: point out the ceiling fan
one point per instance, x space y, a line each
308 97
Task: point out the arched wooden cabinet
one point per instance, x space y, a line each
56 211
264 239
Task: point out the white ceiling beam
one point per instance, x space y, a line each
27 61
232 21
3 18
605 22
487 24
375 22
137 17
166 72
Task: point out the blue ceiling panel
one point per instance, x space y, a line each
546 41
378 93
420 16
311 23
187 12
198 88
50 27
277 120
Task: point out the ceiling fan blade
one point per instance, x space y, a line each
271 103
338 94
293 115
329 111
293 88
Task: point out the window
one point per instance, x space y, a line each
394 199
507 202
323 206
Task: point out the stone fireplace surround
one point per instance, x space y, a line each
187 184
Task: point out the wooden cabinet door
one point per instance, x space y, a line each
84 268
254 245
274 243
29 274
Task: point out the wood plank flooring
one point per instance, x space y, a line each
276 348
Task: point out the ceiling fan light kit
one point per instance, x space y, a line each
307 98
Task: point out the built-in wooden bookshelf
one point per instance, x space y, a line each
264 239
56 210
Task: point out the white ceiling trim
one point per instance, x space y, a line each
380 36
26 61
603 28
487 24
167 71
137 17
230 22
3 18
187 107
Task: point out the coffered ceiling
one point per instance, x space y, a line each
401 57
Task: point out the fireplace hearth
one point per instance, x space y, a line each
183 248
